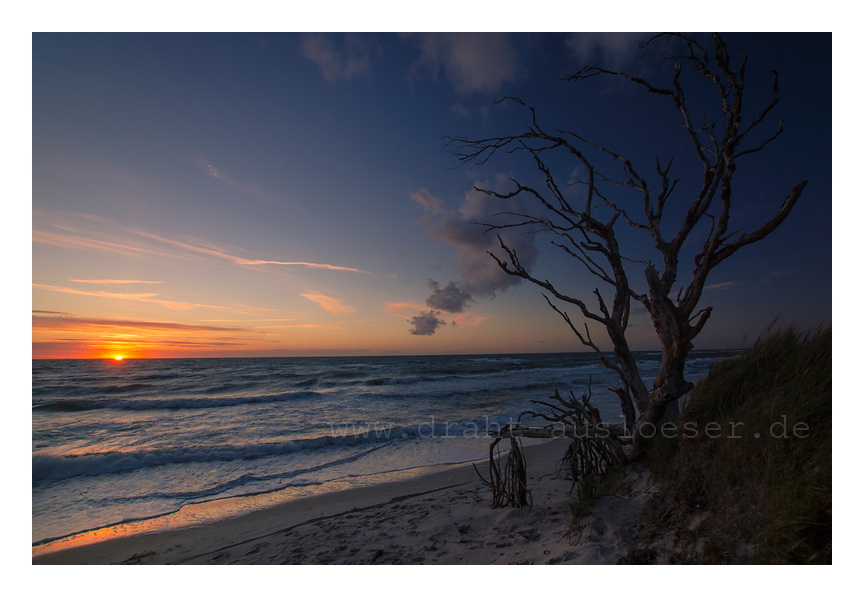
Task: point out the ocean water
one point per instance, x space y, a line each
139 445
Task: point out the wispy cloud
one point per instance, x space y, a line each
81 242
470 319
403 310
721 285
223 176
204 250
70 321
325 326
429 202
251 308
117 281
473 62
327 266
144 297
100 293
100 241
328 303
340 58
256 320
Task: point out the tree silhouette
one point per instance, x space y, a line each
588 225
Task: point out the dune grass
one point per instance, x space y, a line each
747 477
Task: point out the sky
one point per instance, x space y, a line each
266 194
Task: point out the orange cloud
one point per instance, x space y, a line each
118 281
71 322
470 319
68 335
144 297
324 326
340 268
79 242
137 296
328 303
404 310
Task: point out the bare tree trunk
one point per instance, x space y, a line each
626 406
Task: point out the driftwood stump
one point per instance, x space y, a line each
594 448
510 486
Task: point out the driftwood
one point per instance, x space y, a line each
594 448
510 486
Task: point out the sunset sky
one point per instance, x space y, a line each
211 195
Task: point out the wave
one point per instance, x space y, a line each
498 360
404 385
72 389
168 403
55 467
478 375
247 479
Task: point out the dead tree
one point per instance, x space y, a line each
588 227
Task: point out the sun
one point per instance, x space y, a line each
119 357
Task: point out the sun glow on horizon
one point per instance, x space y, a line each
118 357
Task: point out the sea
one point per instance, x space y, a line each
140 445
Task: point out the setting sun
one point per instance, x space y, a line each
119 357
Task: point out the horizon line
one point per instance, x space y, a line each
382 355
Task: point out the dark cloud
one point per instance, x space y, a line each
620 51
426 323
451 298
473 62
463 230
611 50
340 58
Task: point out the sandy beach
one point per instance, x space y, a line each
440 518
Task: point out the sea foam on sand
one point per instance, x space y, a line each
440 518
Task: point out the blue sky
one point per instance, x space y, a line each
281 194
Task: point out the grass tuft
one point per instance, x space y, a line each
747 479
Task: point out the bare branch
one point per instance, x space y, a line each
767 228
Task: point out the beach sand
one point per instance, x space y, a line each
442 517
